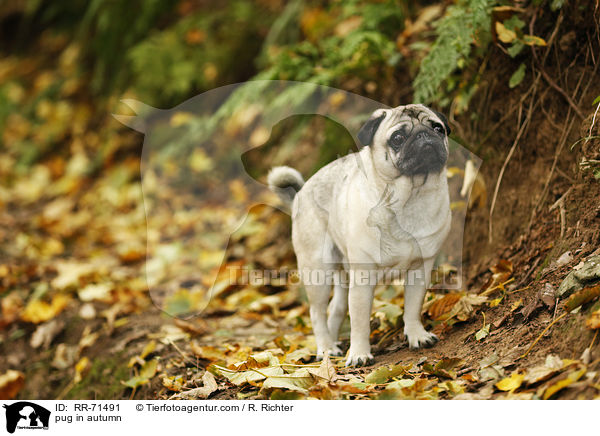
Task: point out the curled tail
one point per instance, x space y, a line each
285 182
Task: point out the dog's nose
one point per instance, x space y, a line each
422 135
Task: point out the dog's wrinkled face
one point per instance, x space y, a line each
407 141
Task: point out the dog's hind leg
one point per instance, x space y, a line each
338 307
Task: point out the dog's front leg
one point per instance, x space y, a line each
318 297
360 300
415 287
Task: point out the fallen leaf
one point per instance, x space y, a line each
325 371
495 302
541 373
169 333
560 385
565 258
511 383
257 367
384 373
87 311
483 332
501 273
443 306
87 338
197 328
299 381
299 356
548 296
208 352
484 393
82 367
147 371
149 348
11 305
45 333
581 297
516 305
11 382
64 357
91 292
38 311
593 321
444 368
69 274
174 383
208 387
532 306
252 375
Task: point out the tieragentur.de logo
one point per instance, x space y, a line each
25 415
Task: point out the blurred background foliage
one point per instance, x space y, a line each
66 64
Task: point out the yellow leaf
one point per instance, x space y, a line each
534 40
571 378
149 369
495 301
174 383
505 35
516 305
81 368
38 311
149 348
200 162
511 383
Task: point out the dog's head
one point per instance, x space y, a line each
407 140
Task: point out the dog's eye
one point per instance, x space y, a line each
438 127
397 139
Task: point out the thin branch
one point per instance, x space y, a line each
542 334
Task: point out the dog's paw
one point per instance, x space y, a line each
359 359
418 337
334 350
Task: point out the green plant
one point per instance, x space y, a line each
199 52
106 30
465 28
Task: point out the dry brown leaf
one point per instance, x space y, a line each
593 320
443 306
501 272
581 297
209 386
11 382
11 305
197 327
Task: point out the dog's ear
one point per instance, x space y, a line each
367 131
444 120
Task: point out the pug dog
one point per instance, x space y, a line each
366 216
